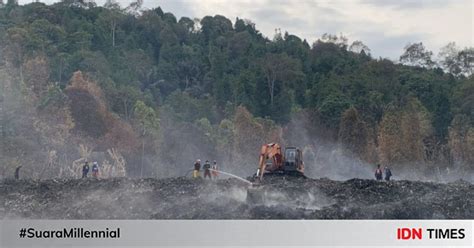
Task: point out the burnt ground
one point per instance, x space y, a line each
276 198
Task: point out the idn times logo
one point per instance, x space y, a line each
405 233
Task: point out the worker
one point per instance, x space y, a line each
197 168
378 173
388 173
85 170
17 172
207 171
214 171
95 170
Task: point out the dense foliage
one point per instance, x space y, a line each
155 88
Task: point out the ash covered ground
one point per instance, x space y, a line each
284 198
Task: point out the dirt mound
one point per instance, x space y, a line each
183 198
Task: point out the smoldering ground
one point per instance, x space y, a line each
185 198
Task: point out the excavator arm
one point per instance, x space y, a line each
269 151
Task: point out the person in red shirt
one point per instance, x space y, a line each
378 173
95 170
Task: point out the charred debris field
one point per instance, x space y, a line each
277 198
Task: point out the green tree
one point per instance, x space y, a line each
417 55
149 124
279 70
112 17
359 47
466 59
449 60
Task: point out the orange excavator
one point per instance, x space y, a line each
273 161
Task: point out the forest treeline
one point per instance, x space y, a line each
143 90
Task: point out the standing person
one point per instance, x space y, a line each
388 173
95 170
85 170
215 174
197 168
207 171
17 172
378 173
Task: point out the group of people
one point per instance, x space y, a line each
95 170
210 171
379 173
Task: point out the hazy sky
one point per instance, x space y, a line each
386 26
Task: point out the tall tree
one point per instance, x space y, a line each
134 7
417 55
466 59
449 59
359 47
149 123
113 16
279 69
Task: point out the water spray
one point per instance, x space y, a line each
234 176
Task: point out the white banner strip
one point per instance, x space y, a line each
205 233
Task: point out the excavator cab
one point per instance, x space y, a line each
293 159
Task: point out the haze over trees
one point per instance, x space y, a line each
144 89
